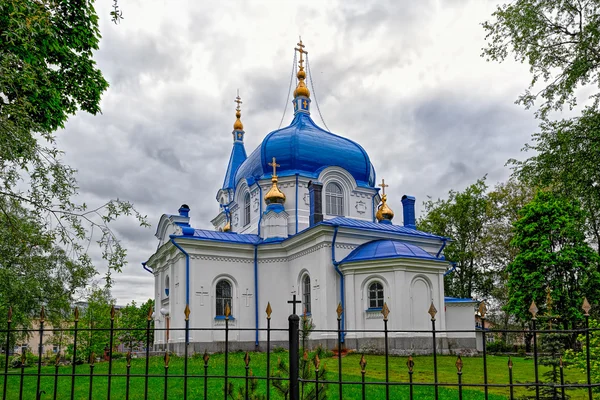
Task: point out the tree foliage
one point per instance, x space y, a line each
47 73
560 40
552 255
462 218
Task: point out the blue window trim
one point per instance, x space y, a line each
307 314
167 292
372 309
222 317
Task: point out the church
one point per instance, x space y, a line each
303 215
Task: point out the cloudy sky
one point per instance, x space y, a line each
403 78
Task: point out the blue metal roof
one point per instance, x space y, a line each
458 300
386 248
237 157
306 149
241 238
367 225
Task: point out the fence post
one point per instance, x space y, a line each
294 345
586 308
9 321
533 310
386 311
459 367
74 362
227 312
340 311
148 321
128 367
185 351
510 378
110 349
268 311
363 371
206 357
432 311
92 361
482 312
166 389
40 351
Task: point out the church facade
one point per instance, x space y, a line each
302 215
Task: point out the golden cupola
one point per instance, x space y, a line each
301 88
237 125
274 195
384 214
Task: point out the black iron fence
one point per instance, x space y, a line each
301 377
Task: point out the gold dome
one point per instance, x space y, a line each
274 195
227 227
301 89
384 212
237 125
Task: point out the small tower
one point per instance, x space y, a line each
274 223
384 213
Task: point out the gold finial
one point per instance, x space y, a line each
363 364
533 309
482 309
274 195
385 311
432 311
128 358
247 359
167 359
384 212
187 312
410 363
510 363
317 362
227 311
42 315
301 89
206 357
237 125
339 310
112 312
9 315
92 359
149 316
459 365
586 307
227 227
76 314
269 310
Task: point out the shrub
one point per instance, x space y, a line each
577 359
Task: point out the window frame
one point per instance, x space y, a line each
167 285
247 209
306 295
334 199
379 295
221 300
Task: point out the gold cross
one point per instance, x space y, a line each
383 186
274 165
305 103
301 50
238 100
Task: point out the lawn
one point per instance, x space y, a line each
423 372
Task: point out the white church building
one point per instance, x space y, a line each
302 215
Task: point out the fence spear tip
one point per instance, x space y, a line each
533 309
586 307
269 310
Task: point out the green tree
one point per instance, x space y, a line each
504 204
560 40
95 318
47 73
134 319
578 359
552 255
462 217
567 156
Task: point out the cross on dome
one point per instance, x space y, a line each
300 49
237 125
274 165
301 89
383 186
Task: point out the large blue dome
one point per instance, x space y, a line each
304 148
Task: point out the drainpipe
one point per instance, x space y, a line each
373 205
256 292
259 202
147 268
441 248
296 202
337 269
187 270
451 270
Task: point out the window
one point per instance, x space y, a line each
306 294
334 199
247 209
167 286
375 295
223 296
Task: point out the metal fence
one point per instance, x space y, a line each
302 379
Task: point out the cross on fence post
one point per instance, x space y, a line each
294 302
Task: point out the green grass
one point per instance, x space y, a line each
472 373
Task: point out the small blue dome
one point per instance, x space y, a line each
306 149
387 248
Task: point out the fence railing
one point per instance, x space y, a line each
302 377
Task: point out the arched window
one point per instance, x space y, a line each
306 294
375 295
223 297
247 209
334 199
167 282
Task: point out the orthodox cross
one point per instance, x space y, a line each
238 100
202 293
294 302
247 295
274 165
300 49
316 288
383 186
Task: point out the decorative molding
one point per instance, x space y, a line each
375 314
308 251
361 207
307 199
221 322
255 203
220 258
236 219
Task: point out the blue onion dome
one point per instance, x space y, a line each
387 248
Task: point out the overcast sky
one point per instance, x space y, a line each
403 78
